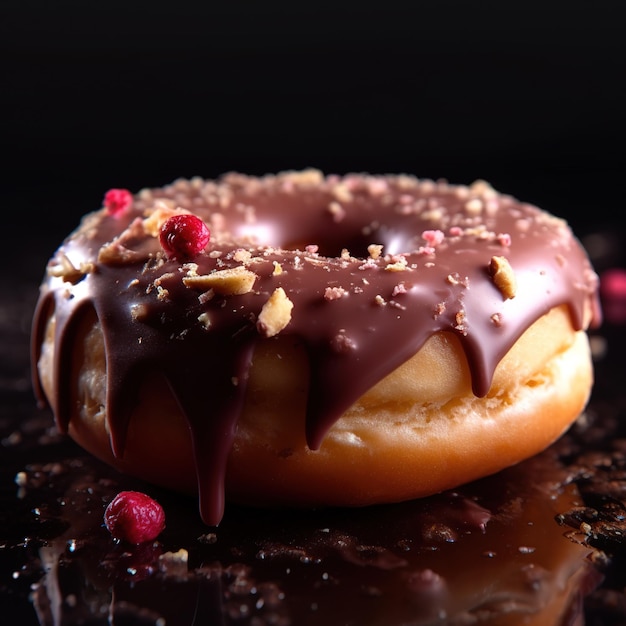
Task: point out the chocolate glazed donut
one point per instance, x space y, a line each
312 292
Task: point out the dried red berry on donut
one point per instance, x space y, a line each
134 517
116 201
184 236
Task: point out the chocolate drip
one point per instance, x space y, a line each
359 314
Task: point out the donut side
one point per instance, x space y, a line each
419 431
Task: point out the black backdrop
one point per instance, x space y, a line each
528 95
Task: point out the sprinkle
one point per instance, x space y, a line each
398 289
504 239
433 237
334 293
117 201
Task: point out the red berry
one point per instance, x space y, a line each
116 201
184 236
134 517
613 283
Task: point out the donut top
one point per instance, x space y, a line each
361 270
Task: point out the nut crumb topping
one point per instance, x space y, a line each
374 250
496 318
139 312
234 281
275 314
474 206
337 211
205 320
503 276
152 224
242 256
483 189
65 269
461 322
342 193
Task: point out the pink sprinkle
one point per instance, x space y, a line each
433 237
426 250
377 186
504 239
334 293
456 231
117 201
399 288
312 249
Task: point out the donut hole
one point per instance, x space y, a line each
354 234
330 245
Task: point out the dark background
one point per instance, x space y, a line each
95 94
528 95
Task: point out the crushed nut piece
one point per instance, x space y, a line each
503 276
337 211
342 193
205 320
174 564
191 268
139 312
374 250
121 250
275 314
242 255
233 281
309 177
342 344
461 323
396 267
474 206
496 318
66 270
278 268
152 224
483 189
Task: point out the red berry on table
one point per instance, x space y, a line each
134 517
184 236
613 294
116 201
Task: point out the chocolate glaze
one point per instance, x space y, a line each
433 275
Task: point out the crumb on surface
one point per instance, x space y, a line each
275 314
503 276
232 281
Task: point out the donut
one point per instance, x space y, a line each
310 340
